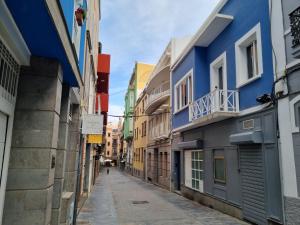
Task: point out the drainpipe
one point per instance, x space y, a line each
77 182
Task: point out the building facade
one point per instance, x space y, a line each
225 150
285 20
43 74
157 108
140 124
139 77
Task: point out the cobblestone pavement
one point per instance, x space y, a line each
119 199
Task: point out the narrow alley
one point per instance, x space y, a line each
120 199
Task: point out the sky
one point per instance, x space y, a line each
139 30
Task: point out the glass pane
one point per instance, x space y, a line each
201 165
197 185
250 61
197 175
201 155
193 174
198 165
220 169
193 164
193 184
201 175
220 71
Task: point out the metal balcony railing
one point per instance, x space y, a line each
161 91
226 101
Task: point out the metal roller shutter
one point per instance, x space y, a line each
253 184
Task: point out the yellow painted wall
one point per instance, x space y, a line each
139 138
143 72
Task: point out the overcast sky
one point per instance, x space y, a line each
139 30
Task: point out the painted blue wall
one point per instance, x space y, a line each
68 9
200 58
182 118
40 33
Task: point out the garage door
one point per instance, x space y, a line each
253 184
3 126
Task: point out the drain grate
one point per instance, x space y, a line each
139 202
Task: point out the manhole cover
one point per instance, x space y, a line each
139 202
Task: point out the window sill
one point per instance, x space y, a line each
248 81
180 110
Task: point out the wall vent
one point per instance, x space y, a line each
248 124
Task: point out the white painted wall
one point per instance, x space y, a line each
287 159
188 169
178 45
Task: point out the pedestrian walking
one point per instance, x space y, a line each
107 171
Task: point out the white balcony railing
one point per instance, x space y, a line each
160 91
226 101
159 129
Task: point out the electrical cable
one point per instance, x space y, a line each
133 116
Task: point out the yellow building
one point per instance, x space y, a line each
138 81
140 137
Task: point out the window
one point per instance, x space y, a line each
295 114
108 134
248 50
166 164
108 143
184 92
197 170
252 63
107 153
219 169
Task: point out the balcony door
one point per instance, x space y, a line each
218 80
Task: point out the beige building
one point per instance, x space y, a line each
112 142
157 107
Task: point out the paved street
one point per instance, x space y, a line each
119 199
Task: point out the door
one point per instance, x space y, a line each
219 84
3 131
177 170
253 184
144 160
155 166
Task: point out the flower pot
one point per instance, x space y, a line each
79 18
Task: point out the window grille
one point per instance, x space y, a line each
9 74
295 27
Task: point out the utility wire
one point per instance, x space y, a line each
133 116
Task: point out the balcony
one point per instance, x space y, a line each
103 64
103 97
159 127
157 97
159 132
215 106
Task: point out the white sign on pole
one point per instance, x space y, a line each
92 124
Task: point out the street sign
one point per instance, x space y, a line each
92 124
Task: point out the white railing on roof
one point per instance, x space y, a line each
215 101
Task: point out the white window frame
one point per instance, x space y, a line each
188 173
201 182
221 61
190 98
241 56
293 102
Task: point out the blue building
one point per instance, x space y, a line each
225 147
45 50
